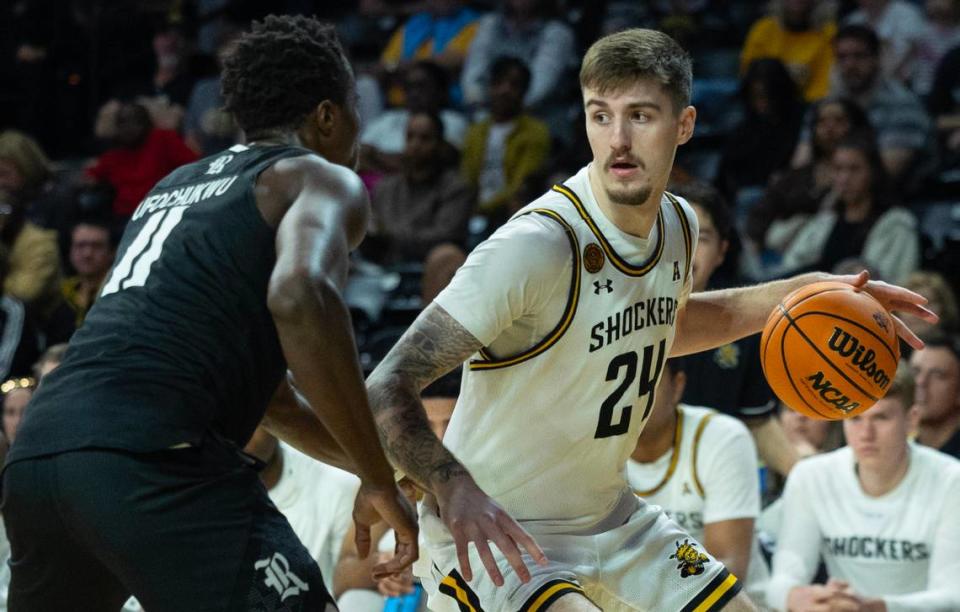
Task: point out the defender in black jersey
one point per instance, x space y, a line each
126 476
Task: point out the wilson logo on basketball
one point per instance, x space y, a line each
847 345
831 394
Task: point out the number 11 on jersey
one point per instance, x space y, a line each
649 375
134 265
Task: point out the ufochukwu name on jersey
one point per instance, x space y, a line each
869 547
184 196
645 313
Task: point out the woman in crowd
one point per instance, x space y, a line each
857 218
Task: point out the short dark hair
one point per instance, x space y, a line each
434 71
864 34
504 64
277 73
712 203
617 60
100 223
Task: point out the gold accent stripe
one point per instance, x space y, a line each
565 321
707 604
618 262
687 233
550 592
458 593
696 447
674 458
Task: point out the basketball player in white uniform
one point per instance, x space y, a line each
883 514
700 466
565 318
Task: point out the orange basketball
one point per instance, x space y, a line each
828 351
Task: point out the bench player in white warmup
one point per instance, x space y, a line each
700 466
566 316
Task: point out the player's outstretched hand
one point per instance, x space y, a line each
472 516
391 505
894 299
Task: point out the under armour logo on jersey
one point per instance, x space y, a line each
217 165
597 286
280 577
676 271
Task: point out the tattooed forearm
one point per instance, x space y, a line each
434 345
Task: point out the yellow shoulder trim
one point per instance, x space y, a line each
674 459
618 262
696 446
486 363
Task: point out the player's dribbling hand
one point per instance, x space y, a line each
394 585
472 516
894 299
391 505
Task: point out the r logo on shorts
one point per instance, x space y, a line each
280 577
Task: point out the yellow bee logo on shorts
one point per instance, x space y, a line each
690 560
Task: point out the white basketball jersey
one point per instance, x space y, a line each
547 432
675 484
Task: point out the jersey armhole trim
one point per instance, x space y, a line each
696 447
674 458
687 232
618 262
488 363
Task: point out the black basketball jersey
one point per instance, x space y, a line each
180 341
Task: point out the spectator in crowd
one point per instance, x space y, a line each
523 29
207 127
92 250
701 467
172 80
16 393
940 299
729 378
795 194
27 179
800 34
48 362
901 123
881 512
901 27
858 219
142 154
764 141
317 499
426 205
944 105
32 257
942 34
810 436
383 141
441 33
509 146
19 337
936 370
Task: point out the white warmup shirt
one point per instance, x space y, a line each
317 499
710 475
577 319
901 546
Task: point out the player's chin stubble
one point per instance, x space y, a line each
631 197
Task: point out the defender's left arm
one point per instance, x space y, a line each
713 318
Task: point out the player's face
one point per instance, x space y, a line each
711 250
879 435
936 373
634 133
14 404
857 65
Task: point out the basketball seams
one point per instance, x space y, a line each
828 360
789 377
